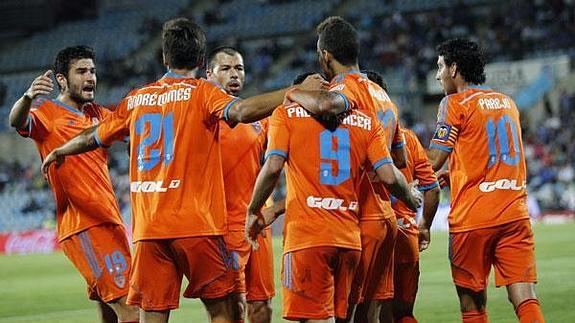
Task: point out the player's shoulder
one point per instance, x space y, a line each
42 102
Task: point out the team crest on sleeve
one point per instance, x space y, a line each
442 132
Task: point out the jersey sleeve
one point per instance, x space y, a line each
449 122
398 140
377 152
115 126
345 89
39 121
421 165
218 102
278 136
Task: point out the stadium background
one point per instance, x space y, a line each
530 46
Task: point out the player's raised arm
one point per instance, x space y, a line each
395 181
85 141
42 85
260 106
265 184
319 102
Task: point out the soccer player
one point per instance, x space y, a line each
410 240
177 194
243 148
338 51
90 228
478 129
321 236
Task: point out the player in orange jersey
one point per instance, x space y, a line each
338 50
322 236
243 148
90 228
478 129
410 241
177 194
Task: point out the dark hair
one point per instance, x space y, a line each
67 55
376 78
229 50
467 55
301 77
340 38
183 43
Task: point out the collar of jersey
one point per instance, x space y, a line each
478 87
173 75
353 71
67 107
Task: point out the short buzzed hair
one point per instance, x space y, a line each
229 50
376 78
339 38
183 43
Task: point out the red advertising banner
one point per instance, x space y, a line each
25 242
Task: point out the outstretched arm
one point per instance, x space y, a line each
260 106
265 183
85 141
42 85
319 102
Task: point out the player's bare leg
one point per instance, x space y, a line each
220 309
106 313
525 303
154 317
238 306
368 312
260 311
472 304
403 311
124 312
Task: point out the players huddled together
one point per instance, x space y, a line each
204 164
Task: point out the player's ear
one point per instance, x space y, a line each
62 81
453 70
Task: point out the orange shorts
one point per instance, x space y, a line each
256 267
406 280
374 276
508 247
316 282
102 255
406 246
160 264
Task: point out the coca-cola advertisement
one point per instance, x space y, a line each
25 242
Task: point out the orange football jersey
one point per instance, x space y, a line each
322 175
243 148
418 167
361 93
175 165
481 130
81 186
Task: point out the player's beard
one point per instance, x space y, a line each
76 96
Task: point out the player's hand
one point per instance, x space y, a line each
416 196
314 82
52 157
424 237
42 85
255 223
443 178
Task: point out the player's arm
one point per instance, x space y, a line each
437 157
260 106
319 102
85 141
394 180
399 156
265 184
430 203
42 85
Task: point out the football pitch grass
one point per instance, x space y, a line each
46 288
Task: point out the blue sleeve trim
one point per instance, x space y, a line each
424 188
98 140
398 145
276 152
440 147
344 100
382 162
228 106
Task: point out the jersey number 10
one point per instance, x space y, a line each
497 131
159 125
